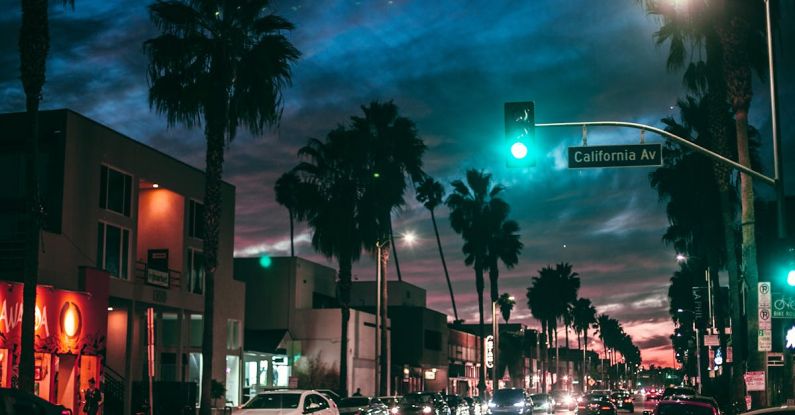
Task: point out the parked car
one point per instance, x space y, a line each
289 402
457 404
17 402
391 402
475 405
678 391
328 393
423 403
362 405
542 403
564 400
596 404
686 407
623 400
777 410
511 401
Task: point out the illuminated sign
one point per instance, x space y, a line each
791 338
489 351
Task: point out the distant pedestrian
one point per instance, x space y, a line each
92 398
357 393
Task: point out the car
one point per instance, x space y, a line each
596 404
475 405
677 391
685 407
653 393
776 410
289 402
328 393
391 402
457 404
542 403
623 400
422 403
564 400
511 401
362 405
17 402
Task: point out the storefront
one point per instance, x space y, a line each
70 339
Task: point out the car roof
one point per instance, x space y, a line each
694 402
774 409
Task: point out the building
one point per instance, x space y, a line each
292 328
518 355
123 227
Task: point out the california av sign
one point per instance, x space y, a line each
628 155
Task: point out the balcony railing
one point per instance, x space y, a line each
173 279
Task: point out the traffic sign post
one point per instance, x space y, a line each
765 341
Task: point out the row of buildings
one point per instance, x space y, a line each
123 235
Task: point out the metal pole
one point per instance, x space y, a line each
377 317
698 357
775 129
683 141
494 328
150 353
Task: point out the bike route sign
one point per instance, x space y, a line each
783 305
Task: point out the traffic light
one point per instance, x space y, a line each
520 133
789 266
265 261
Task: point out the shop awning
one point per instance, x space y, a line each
266 341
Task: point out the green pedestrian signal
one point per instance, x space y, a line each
520 133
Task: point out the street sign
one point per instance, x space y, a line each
700 305
755 381
711 340
775 359
489 351
627 155
783 305
765 340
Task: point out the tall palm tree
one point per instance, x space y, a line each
34 45
584 314
431 193
471 205
224 65
506 303
543 302
503 245
286 189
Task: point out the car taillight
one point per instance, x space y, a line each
628 400
605 407
66 412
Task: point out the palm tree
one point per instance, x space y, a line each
506 303
503 245
544 305
34 44
286 189
584 315
431 193
471 215
394 153
223 65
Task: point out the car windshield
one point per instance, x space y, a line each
389 400
417 399
357 401
679 391
596 398
683 409
539 397
274 401
511 396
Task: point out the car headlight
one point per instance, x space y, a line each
492 405
568 399
394 410
519 404
426 409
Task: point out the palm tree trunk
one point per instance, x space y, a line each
384 361
586 369
542 340
479 286
494 275
212 218
344 297
292 233
444 265
34 43
557 356
394 250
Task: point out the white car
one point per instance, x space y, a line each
289 402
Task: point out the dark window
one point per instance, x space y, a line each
115 190
113 250
274 401
195 271
433 340
195 219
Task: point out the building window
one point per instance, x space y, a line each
232 334
115 190
196 329
433 340
113 250
195 219
195 271
169 330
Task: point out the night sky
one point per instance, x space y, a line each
449 66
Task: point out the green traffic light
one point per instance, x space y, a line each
791 278
519 150
265 261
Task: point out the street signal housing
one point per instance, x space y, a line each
520 133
